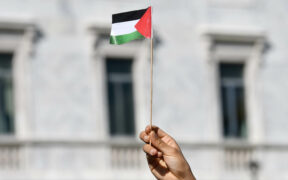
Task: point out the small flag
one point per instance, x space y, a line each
130 25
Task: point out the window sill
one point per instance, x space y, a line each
8 139
128 140
236 141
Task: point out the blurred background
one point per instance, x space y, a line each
72 105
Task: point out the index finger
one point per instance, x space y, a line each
144 137
157 130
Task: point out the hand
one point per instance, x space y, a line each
164 156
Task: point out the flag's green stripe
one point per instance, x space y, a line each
121 39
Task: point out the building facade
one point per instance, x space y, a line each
72 105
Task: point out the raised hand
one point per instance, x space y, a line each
164 156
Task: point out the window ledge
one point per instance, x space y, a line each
232 32
16 25
122 140
8 140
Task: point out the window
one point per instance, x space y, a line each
6 94
233 100
120 96
241 50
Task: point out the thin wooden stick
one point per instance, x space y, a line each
151 81
151 71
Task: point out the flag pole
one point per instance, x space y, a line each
151 81
151 72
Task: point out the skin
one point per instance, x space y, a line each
164 156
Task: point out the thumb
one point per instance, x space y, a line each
160 144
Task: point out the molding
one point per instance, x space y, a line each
22 26
242 34
245 45
135 143
99 29
18 38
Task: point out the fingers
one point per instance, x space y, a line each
155 137
148 149
155 162
157 166
157 130
144 137
159 144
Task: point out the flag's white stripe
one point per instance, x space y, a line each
123 28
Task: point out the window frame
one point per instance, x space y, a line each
251 58
18 38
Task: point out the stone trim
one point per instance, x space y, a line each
18 38
251 47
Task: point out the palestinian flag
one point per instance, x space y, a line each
130 25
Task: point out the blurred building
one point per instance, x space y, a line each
72 106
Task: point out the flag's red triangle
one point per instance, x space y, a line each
144 24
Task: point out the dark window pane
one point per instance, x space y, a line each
6 94
232 71
120 96
233 100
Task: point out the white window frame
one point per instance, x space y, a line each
20 44
251 58
138 51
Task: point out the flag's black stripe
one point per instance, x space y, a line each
128 16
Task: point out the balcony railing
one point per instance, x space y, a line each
237 157
123 155
10 156
126 157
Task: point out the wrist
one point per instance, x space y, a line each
189 175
